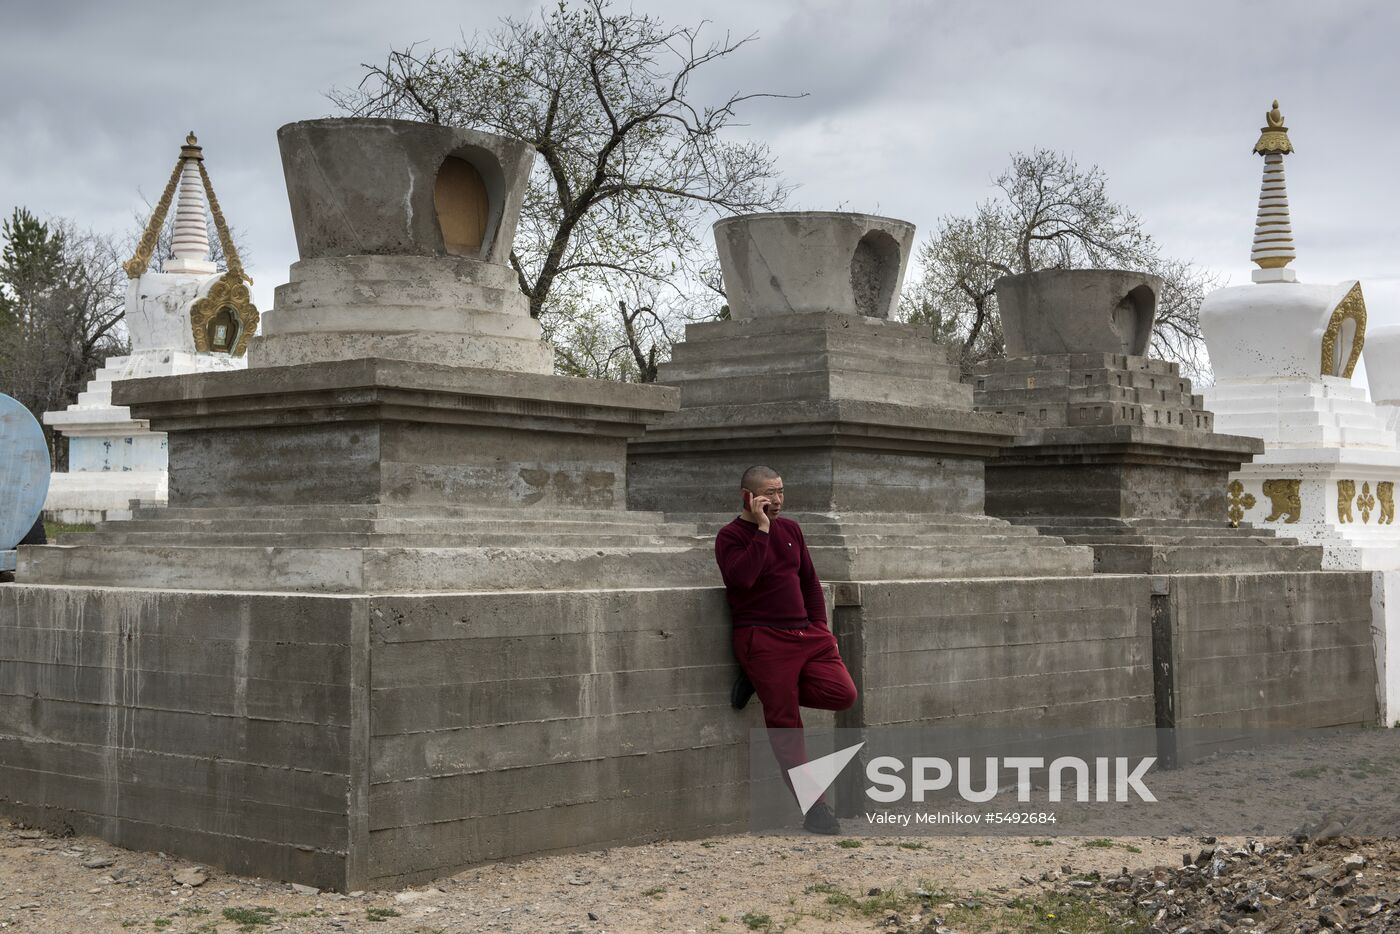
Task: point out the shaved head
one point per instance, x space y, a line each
755 477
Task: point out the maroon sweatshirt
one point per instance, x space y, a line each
769 575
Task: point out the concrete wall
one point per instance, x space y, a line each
1268 651
1003 653
212 725
506 724
1385 637
374 741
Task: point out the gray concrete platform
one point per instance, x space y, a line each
357 741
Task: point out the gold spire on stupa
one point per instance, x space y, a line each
1273 228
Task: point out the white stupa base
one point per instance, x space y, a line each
1356 533
113 458
1323 412
88 496
1325 434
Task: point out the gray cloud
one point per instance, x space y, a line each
912 107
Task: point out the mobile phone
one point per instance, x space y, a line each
748 501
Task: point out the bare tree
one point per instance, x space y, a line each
1049 213
630 343
631 163
62 296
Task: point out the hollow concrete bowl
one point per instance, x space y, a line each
811 261
1058 311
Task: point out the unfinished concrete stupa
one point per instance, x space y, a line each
186 318
1284 353
399 400
864 416
1117 451
415 537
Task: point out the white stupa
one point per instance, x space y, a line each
187 318
1283 353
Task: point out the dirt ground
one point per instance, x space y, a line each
865 880
725 884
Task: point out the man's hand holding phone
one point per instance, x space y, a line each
757 509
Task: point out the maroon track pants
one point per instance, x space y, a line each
791 669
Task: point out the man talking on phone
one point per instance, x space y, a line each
781 638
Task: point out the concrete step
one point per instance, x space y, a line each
1220 528
394 511
1037 558
1166 559
1081 365
1200 541
915 361
417 526
812 520
303 539
948 540
368 570
1122 523
822 384
718 347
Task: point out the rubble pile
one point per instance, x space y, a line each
1297 885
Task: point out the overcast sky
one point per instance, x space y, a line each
912 108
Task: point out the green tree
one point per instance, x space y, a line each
632 164
31 264
1049 213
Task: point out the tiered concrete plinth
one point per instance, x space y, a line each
379 549
448 310
873 435
383 474
1119 453
855 546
